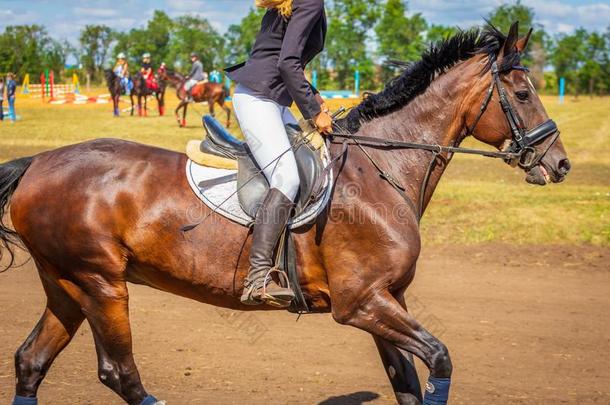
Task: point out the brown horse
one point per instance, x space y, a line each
212 93
113 82
142 92
98 215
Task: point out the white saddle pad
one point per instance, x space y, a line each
222 198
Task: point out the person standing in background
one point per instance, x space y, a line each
1 98
11 89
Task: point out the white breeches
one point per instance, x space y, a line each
189 84
262 121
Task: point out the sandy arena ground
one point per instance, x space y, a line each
523 327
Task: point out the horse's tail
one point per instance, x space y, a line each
10 175
226 92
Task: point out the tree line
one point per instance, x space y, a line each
362 35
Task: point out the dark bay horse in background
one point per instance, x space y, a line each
113 82
111 213
142 92
212 93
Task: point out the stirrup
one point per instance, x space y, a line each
270 299
265 298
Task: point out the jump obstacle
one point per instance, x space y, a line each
50 92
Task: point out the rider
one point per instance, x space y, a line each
147 72
162 69
291 35
121 69
195 76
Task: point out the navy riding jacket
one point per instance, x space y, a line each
283 47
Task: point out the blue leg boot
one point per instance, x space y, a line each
437 391
25 400
150 400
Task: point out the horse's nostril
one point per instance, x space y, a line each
564 166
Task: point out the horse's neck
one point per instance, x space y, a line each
434 117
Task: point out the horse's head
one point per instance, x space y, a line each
172 77
505 111
109 75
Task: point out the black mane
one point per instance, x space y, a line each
418 76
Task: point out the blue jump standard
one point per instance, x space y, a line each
437 391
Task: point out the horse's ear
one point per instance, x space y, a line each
522 42
511 40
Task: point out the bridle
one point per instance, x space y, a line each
523 140
521 150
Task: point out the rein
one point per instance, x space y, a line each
521 151
437 150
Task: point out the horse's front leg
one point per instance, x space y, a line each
228 111
177 114
380 314
115 103
160 103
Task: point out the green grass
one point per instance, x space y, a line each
478 200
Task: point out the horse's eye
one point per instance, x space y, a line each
523 95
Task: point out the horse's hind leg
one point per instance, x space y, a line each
108 316
381 315
400 367
401 372
60 321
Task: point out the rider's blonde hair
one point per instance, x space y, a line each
284 7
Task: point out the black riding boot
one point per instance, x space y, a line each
270 222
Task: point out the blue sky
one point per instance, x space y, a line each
64 18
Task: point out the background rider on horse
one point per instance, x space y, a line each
147 72
121 69
195 76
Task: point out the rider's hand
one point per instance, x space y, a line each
324 122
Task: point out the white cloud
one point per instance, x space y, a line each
96 12
190 6
555 15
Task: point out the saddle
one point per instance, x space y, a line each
224 176
251 182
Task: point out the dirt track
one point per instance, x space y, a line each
519 333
